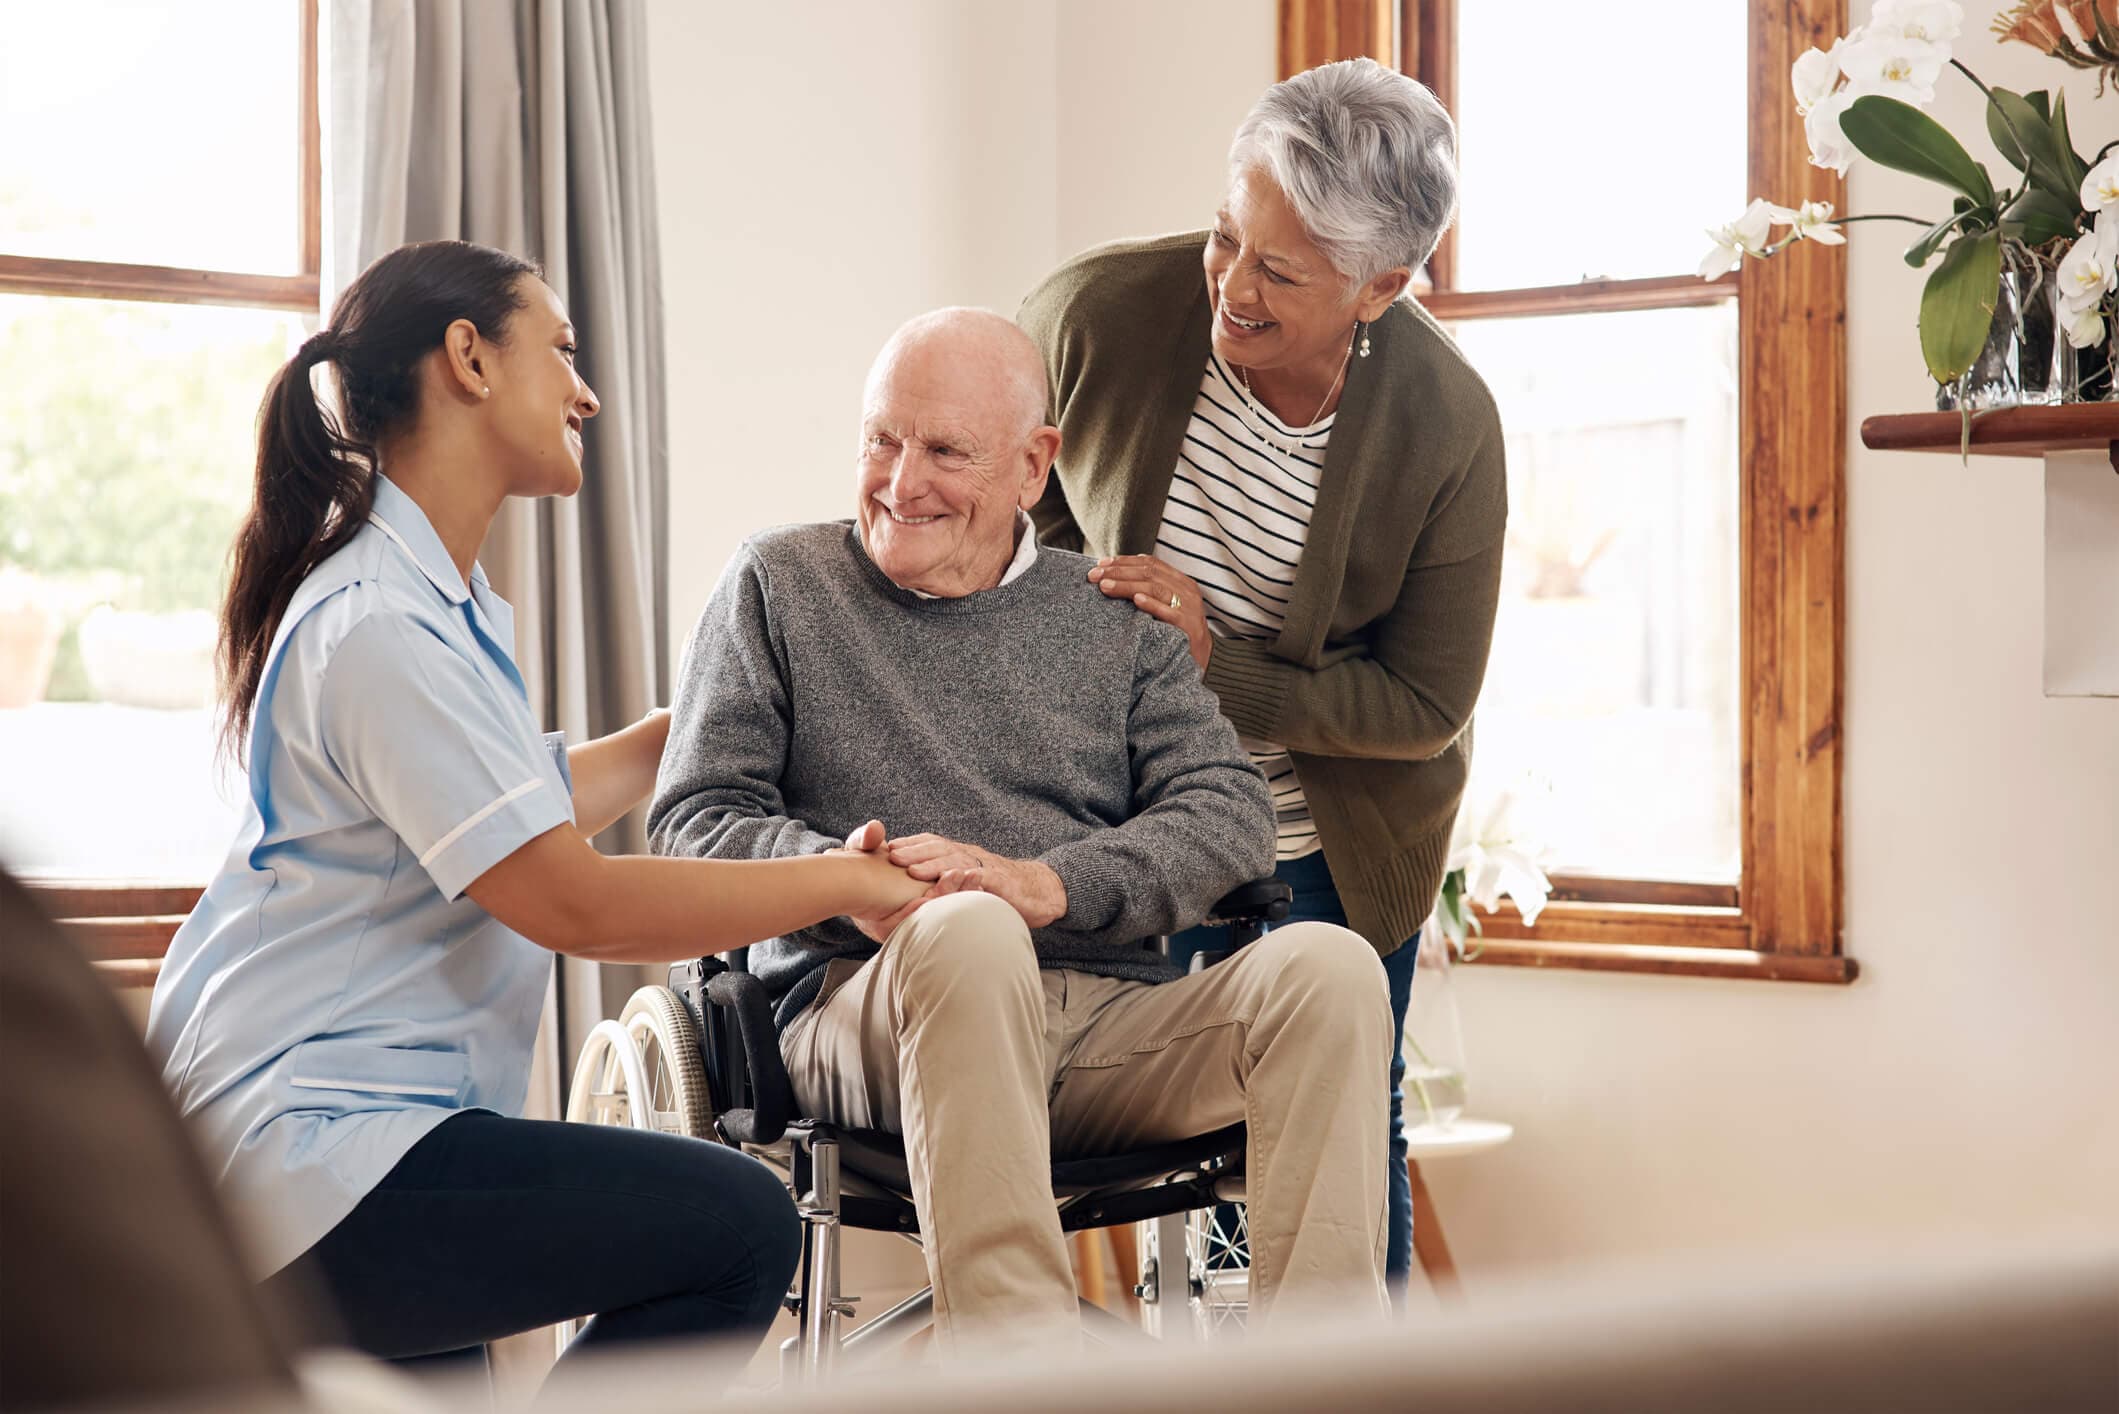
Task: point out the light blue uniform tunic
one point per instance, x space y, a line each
335 995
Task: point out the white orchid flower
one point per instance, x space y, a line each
1812 221
2086 274
1894 65
1746 235
1829 147
1932 21
2100 189
1815 74
2083 327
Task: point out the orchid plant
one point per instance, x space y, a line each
1864 97
1491 853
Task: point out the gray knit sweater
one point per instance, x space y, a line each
1037 720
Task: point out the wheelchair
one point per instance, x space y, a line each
701 1057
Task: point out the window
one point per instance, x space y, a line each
159 253
1667 654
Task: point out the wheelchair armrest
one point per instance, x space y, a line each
1264 900
771 1094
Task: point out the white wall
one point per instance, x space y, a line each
1150 92
816 189
826 171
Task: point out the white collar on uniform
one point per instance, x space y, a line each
398 516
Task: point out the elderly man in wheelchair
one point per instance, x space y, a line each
928 681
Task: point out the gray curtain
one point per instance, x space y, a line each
523 124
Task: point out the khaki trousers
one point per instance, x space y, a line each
953 1037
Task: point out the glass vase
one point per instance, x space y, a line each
1995 379
1434 1038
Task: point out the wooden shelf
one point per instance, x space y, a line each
2003 432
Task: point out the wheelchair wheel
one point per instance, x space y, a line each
1218 1240
668 1040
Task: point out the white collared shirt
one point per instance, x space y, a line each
335 995
1025 554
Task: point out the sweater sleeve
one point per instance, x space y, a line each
1202 819
717 794
1409 692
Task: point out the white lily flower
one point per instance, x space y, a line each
1893 65
1829 147
1815 74
1490 846
1746 235
2086 274
1934 21
2100 189
1812 221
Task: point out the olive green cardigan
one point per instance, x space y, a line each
1371 683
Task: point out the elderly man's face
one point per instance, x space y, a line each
948 454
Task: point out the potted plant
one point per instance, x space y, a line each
2052 228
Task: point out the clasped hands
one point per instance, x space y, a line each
946 866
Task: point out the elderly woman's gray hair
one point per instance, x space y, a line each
1366 157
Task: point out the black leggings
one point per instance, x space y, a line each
492 1226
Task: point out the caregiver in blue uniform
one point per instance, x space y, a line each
347 1017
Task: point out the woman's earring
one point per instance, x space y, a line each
487 392
1364 343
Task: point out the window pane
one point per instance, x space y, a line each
152 133
1586 150
125 456
1615 665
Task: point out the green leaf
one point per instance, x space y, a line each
1901 137
1923 250
2071 166
2005 141
1957 307
2034 136
2037 216
2042 101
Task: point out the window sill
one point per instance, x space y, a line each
1667 961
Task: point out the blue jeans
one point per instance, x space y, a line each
491 1226
1317 898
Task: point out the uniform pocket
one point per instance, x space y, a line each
397 1072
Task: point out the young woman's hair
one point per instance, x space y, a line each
315 469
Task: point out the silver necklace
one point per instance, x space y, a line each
1263 426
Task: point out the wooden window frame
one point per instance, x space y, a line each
168 284
1782 921
125 924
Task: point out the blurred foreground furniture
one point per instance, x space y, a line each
122 1280
1979 1329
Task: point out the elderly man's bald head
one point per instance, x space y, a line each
975 344
953 443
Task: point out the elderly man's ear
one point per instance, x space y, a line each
1039 453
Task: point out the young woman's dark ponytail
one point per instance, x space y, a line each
314 482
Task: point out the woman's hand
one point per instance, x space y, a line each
899 891
1155 588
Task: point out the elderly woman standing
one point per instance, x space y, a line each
1290 460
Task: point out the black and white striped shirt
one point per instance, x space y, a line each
1237 517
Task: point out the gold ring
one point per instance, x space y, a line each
1176 603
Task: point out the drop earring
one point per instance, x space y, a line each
1364 343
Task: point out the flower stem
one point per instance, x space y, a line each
1958 64
1883 216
